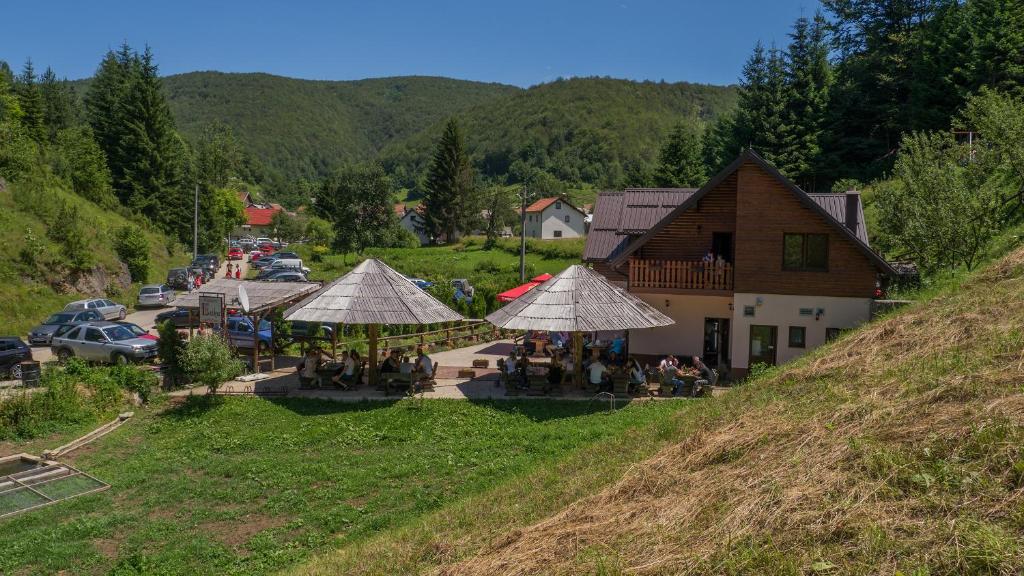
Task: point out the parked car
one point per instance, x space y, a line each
268 273
13 351
139 331
43 333
235 253
266 249
206 273
463 290
302 329
156 295
177 278
105 307
240 333
255 255
179 316
107 342
264 240
288 276
420 283
208 262
288 264
267 261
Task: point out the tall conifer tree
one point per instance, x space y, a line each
808 80
59 105
680 163
449 201
31 101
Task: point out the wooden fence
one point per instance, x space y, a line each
679 275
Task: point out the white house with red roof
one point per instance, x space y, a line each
550 218
258 217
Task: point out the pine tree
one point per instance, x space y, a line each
760 120
31 101
105 111
450 203
808 80
996 30
59 104
680 163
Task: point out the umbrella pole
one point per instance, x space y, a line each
373 355
334 341
577 359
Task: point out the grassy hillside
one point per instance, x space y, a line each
581 130
307 127
898 449
30 292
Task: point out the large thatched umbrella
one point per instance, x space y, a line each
372 294
578 300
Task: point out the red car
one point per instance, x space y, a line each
139 331
255 255
235 254
267 249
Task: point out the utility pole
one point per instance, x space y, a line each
522 236
195 227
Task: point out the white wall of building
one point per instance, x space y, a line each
783 311
409 221
544 224
686 336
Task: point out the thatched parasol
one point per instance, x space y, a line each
373 294
578 300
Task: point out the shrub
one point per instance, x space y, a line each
487 266
133 249
134 379
172 350
209 361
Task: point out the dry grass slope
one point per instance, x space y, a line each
898 450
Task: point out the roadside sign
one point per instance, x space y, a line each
211 309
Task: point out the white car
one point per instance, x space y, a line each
106 308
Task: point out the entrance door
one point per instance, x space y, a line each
721 243
762 345
716 342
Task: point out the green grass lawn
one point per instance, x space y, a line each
250 486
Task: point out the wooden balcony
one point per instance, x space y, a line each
673 275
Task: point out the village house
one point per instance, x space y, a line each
550 218
258 217
751 268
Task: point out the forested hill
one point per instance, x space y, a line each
585 130
594 131
304 128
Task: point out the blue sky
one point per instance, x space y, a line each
521 42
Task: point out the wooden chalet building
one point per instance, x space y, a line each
795 268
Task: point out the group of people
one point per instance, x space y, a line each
676 373
344 375
237 274
599 370
349 370
711 258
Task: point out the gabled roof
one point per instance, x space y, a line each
543 203
621 216
260 216
806 199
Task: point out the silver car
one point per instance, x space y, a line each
156 295
106 308
42 333
106 342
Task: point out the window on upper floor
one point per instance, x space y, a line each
805 252
566 218
558 205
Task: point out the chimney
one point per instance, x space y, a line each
852 212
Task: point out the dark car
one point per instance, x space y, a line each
177 278
179 316
301 330
43 333
13 351
208 262
266 261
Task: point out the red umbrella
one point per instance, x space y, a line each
510 295
541 278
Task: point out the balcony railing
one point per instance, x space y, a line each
679 275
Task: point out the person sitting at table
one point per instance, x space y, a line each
392 363
511 367
346 374
636 374
555 375
704 375
618 346
681 376
598 374
668 363
424 366
614 360
308 367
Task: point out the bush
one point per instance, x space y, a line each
209 361
172 350
133 249
134 379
